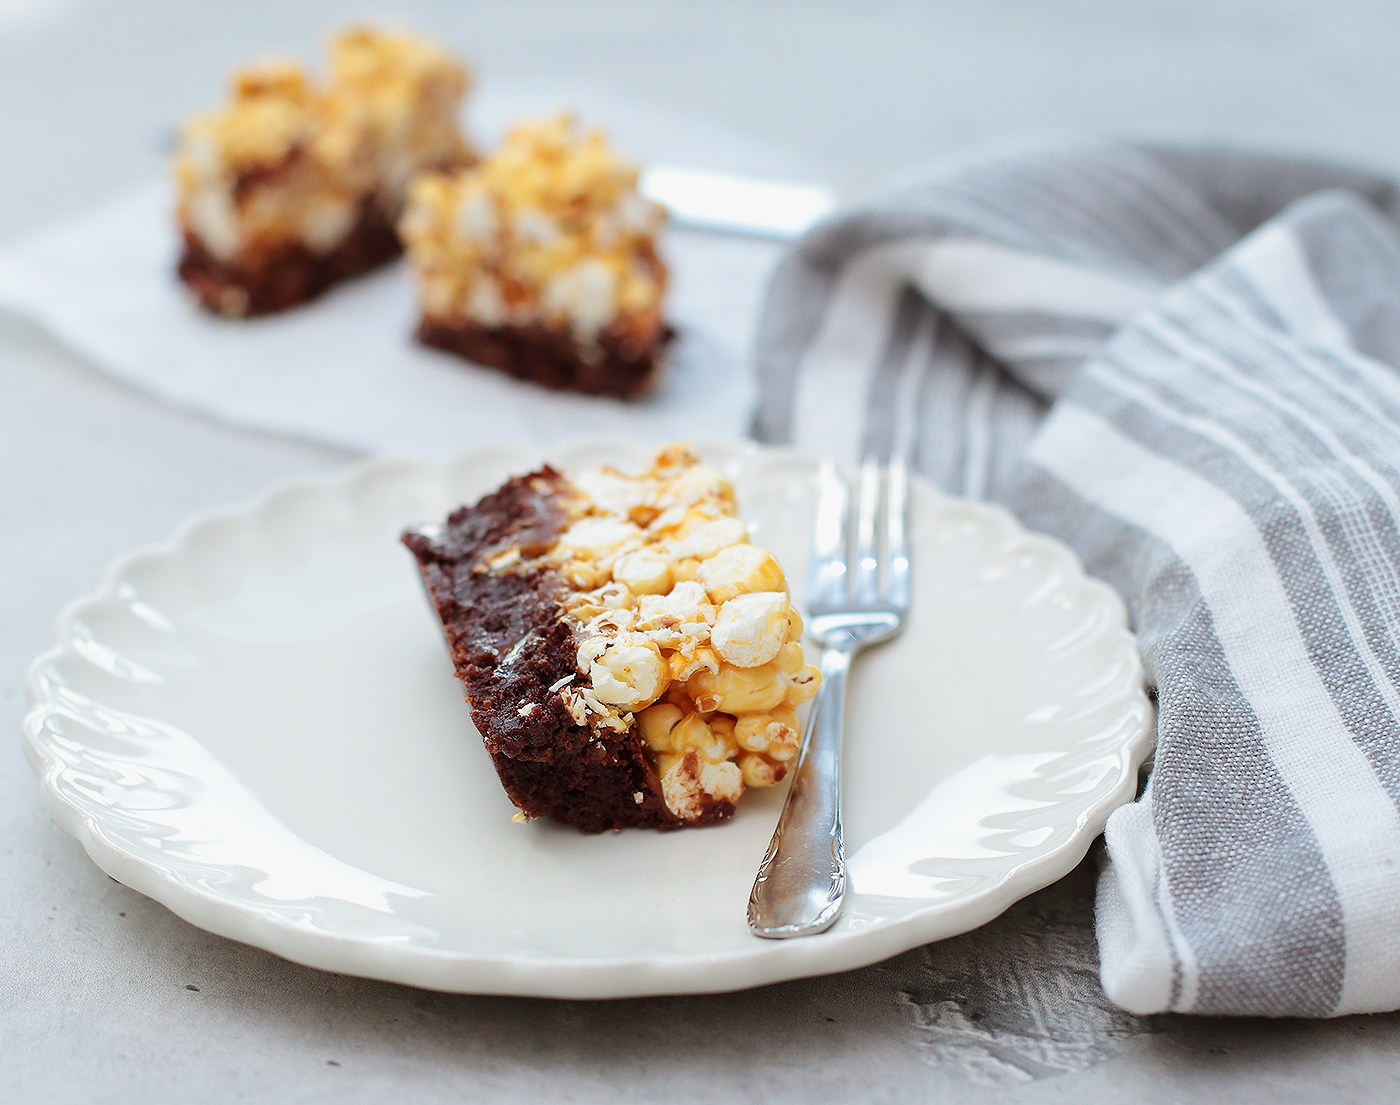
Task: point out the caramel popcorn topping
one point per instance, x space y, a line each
683 627
291 161
549 230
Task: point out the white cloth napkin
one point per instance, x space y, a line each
344 369
1184 362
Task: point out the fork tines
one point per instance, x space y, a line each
880 538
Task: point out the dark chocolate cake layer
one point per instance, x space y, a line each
551 359
290 275
512 650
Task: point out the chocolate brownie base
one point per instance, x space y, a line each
554 360
512 651
290 275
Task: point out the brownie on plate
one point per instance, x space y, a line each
541 261
629 658
292 186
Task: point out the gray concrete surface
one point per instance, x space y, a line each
105 996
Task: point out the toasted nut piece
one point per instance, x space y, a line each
750 629
655 724
738 690
740 569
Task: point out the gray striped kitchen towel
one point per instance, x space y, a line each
1184 362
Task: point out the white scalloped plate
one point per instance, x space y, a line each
257 725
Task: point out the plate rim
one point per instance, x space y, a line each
519 974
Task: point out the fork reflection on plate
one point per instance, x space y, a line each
851 603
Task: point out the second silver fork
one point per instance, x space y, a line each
852 601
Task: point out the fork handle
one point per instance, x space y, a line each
802 879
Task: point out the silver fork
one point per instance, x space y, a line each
802 879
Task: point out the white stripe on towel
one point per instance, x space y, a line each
1356 824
